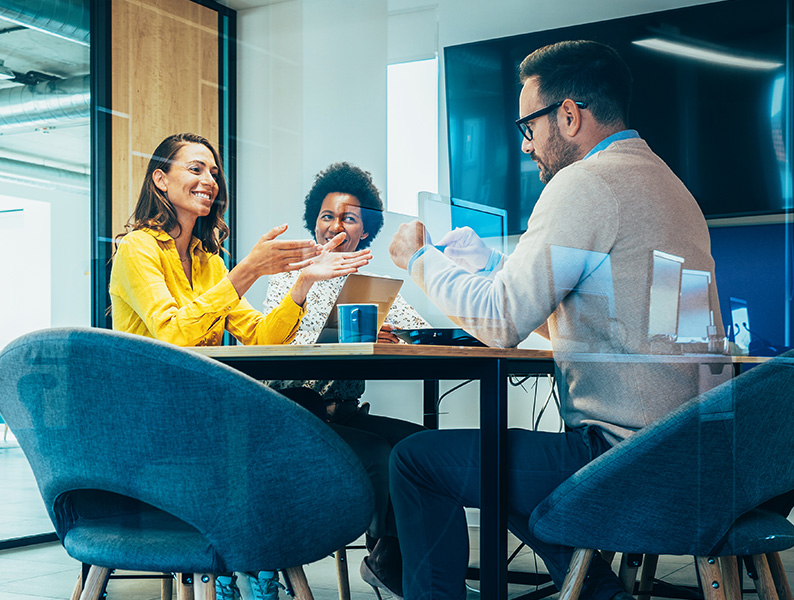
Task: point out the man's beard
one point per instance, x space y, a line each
559 154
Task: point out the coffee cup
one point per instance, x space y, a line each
358 323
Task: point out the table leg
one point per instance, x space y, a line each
493 452
430 412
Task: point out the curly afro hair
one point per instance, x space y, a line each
344 178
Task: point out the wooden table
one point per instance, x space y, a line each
491 366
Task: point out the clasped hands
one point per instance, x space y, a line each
462 245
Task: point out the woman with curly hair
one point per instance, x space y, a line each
345 201
168 280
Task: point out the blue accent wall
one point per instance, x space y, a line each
751 265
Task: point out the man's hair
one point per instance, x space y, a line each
344 178
584 71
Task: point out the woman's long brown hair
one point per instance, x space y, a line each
155 211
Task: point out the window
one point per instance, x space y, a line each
44 170
412 147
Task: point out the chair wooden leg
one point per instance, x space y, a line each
167 587
779 576
574 579
78 586
710 577
342 578
204 586
298 583
95 583
629 565
646 579
184 586
729 565
764 584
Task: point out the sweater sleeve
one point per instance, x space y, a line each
575 211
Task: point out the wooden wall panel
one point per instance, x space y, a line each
165 80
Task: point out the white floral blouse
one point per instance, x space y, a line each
319 301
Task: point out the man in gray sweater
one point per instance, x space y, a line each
583 270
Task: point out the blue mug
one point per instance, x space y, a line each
358 323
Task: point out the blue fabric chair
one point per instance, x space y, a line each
692 483
152 458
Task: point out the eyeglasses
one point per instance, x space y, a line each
523 122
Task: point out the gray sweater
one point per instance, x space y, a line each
584 265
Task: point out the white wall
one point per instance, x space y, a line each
312 90
46 269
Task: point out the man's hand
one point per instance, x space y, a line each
466 249
408 239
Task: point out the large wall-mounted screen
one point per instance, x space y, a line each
710 97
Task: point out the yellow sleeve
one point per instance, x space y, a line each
142 298
279 326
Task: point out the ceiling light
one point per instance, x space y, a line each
718 57
5 72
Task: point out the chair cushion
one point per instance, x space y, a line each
757 532
138 541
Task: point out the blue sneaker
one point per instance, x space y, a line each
263 585
226 588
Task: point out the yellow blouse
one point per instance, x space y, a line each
151 296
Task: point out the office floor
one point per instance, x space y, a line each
46 571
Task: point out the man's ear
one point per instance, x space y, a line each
570 120
160 180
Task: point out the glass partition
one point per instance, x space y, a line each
45 205
80 115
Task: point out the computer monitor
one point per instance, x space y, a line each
665 290
740 324
441 214
694 316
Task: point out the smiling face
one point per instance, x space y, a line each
190 184
340 213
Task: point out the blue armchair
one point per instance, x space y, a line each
152 458
693 483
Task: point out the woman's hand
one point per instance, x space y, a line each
386 336
330 264
327 265
271 255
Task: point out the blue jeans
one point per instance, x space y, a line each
434 474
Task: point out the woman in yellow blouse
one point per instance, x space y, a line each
168 280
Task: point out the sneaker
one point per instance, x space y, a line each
259 586
226 588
